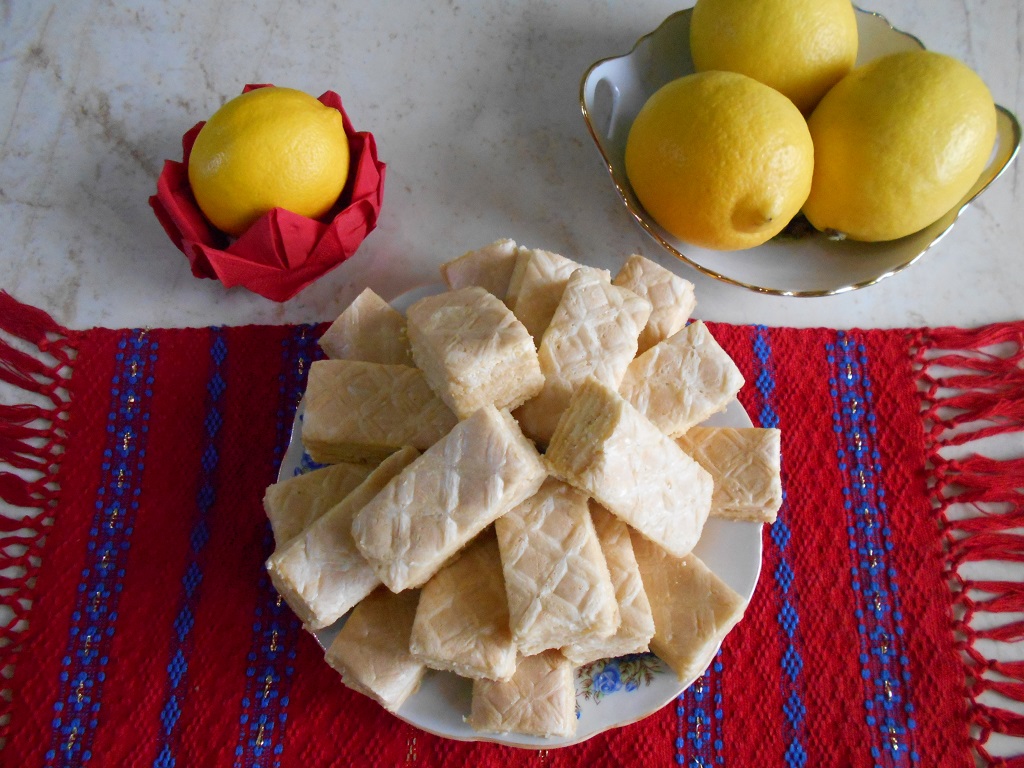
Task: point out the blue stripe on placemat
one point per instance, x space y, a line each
192 579
269 668
793 708
888 710
699 709
94 619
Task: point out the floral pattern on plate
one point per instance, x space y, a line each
627 673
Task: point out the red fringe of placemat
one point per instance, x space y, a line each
36 355
972 384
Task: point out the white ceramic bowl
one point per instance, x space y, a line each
611 94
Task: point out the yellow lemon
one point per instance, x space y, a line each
798 47
268 148
897 143
720 160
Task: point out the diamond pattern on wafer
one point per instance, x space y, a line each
671 297
358 411
462 620
693 608
539 700
473 351
744 464
372 650
294 503
607 448
459 486
680 382
370 330
592 333
558 585
320 573
489 267
536 287
636 627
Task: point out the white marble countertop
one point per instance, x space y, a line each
476 112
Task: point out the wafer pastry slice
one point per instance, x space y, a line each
357 411
372 650
636 627
672 298
693 608
459 486
320 573
295 502
683 380
539 700
473 351
744 464
489 267
607 448
592 333
558 585
462 621
369 329
536 287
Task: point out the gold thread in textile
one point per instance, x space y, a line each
410 753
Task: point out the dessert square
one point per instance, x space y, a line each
473 351
558 585
435 506
363 412
369 329
744 465
608 449
680 382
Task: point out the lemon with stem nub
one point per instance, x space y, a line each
720 160
268 148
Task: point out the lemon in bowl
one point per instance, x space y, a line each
801 48
720 160
268 148
897 143
809 263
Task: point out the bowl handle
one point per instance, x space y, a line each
601 100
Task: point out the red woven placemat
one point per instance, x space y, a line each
142 630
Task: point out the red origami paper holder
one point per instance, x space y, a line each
282 252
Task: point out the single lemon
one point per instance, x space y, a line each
720 160
798 47
897 143
268 148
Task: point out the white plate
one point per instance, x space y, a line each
613 91
626 691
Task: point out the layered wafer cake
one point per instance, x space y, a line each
370 330
671 297
358 411
539 699
473 351
320 573
681 381
744 464
372 650
593 332
435 506
608 449
558 585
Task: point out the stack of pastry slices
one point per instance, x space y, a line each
514 478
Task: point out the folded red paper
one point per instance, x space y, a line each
282 252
